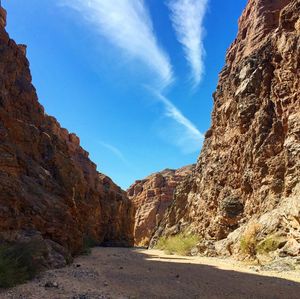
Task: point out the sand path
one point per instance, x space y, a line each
137 273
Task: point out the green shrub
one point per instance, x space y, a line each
161 244
88 243
268 245
248 243
181 244
17 263
248 246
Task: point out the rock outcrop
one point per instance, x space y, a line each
248 173
151 197
49 187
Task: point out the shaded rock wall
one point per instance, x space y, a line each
48 184
151 197
250 162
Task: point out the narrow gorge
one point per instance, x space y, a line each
241 199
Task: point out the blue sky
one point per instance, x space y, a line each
133 79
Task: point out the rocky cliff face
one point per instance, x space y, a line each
49 187
248 173
151 197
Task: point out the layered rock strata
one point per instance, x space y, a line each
49 187
151 197
248 173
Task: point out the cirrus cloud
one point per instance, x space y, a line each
186 135
187 18
127 25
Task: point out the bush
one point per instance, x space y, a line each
181 244
161 243
248 243
88 243
268 245
17 263
248 246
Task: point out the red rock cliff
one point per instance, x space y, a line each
249 168
151 197
48 184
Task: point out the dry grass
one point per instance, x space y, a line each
248 243
180 244
268 245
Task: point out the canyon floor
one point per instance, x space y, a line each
139 273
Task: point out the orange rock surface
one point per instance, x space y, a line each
48 183
151 198
249 167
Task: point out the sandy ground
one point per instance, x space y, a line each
138 273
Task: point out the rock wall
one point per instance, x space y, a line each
48 184
151 197
249 169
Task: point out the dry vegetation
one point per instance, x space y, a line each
250 244
181 244
249 240
88 244
18 263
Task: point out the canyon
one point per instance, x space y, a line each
244 190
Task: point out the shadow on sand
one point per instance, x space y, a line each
176 277
127 273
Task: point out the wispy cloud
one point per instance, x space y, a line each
114 150
127 24
190 138
187 18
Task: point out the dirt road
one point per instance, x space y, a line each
136 273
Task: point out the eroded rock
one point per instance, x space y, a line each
151 198
48 183
251 153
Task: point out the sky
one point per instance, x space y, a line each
132 78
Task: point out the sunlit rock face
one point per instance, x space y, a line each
151 197
49 187
249 167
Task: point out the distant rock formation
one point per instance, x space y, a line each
151 198
248 173
49 188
